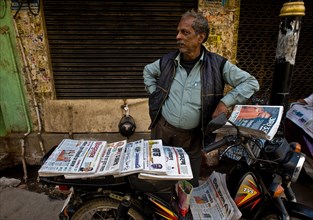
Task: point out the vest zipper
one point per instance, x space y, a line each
167 92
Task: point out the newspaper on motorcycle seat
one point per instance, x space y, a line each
78 159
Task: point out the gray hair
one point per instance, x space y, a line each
200 24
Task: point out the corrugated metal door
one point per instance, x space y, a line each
99 48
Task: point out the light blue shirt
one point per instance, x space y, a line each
182 108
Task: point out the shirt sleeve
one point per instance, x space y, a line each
309 100
244 85
150 74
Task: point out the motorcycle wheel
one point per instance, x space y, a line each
102 208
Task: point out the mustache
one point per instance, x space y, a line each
179 43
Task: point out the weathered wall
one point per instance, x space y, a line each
224 22
36 71
77 116
91 117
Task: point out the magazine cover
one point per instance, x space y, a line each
262 120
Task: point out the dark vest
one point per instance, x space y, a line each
211 80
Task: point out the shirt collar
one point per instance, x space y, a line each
177 59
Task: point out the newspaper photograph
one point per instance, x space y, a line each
211 200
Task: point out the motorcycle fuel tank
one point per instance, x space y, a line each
249 193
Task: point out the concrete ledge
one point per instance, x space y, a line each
103 115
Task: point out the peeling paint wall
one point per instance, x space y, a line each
223 21
36 71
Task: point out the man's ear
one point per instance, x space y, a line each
201 37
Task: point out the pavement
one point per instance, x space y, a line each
21 204
24 202
31 201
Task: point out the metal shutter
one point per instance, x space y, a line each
99 48
257 44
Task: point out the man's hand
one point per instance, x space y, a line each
220 108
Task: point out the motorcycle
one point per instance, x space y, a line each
261 178
109 197
259 182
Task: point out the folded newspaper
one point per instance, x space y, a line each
258 121
302 115
177 165
154 157
73 157
77 159
212 200
109 163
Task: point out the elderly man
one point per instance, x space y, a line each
186 89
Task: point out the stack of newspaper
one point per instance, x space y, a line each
85 159
212 200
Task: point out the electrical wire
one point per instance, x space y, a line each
21 3
31 10
19 8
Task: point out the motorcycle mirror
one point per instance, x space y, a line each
216 123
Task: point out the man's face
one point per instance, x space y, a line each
189 43
264 115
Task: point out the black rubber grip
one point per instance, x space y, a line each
215 145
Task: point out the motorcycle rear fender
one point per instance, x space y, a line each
114 195
298 210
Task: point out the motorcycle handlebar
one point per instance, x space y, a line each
227 140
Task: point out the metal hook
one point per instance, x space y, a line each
126 109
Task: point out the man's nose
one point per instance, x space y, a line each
178 36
